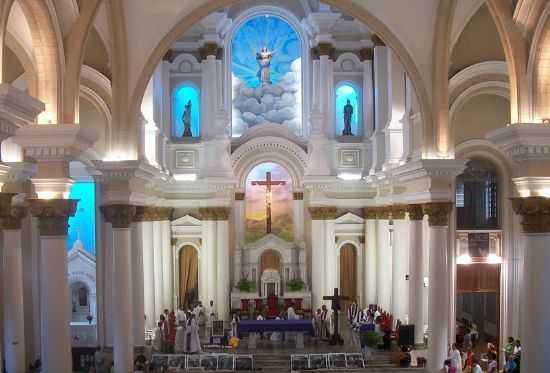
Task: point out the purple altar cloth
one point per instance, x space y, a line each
257 326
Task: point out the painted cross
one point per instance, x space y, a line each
268 183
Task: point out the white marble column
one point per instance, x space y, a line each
416 272
222 264
149 273
536 288
384 259
332 259
318 252
138 279
167 262
370 257
55 306
209 239
239 220
120 216
108 270
158 278
298 217
400 265
438 332
381 106
326 88
12 289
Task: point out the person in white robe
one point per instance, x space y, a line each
192 339
325 322
211 316
357 320
157 338
276 336
456 359
316 321
179 345
291 315
235 325
180 315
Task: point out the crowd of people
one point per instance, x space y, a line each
468 361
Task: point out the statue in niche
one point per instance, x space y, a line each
348 113
264 57
186 118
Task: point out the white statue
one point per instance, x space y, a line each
264 57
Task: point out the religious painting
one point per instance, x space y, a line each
226 362
337 361
82 224
266 67
347 110
186 111
268 202
299 363
318 361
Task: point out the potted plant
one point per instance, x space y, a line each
245 285
296 284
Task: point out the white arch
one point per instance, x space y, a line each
350 241
538 37
496 88
269 149
188 243
475 73
339 63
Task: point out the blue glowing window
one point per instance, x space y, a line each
181 96
82 224
345 92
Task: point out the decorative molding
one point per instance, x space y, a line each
370 213
53 215
323 213
325 49
398 212
214 213
186 159
495 88
415 212
239 196
535 213
384 213
348 62
522 142
350 158
17 109
209 49
366 54
475 71
119 215
438 213
185 63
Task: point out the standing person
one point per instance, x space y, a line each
492 367
325 322
235 325
317 323
211 313
192 339
171 336
475 367
164 331
456 359
179 343
447 367
157 338
180 315
509 348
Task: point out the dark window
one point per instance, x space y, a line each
477 196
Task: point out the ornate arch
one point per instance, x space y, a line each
349 7
269 149
484 88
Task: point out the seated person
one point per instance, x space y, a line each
405 360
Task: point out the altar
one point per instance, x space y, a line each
253 327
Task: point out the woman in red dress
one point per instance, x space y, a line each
171 336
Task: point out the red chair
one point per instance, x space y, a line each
245 306
288 303
258 306
298 304
273 306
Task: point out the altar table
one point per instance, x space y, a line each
253 327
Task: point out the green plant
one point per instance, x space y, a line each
245 285
296 284
370 338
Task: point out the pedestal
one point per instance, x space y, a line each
55 307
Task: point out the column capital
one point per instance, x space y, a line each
12 219
209 49
239 196
438 213
53 215
119 215
370 213
215 213
323 213
377 41
398 212
415 212
366 54
383 212
535 213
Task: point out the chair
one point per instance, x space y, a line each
273 306
245 306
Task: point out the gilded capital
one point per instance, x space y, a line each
415 212
215 213
209 49
239 196
535 213
323 213
53 215
5 202
366 54
139 215
383 213
119 215
370 213
325 49
12 219
398 212
438 213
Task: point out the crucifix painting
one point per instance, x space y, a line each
268 202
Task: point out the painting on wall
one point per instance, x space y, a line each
268 202
266 69
82 224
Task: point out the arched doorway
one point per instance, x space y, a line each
348 272
189 276
80 301
270 261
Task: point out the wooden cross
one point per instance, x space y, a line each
268 183
336 338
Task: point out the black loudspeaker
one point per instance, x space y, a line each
406 335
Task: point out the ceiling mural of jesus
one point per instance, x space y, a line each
268 202
266 75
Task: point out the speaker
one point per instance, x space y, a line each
406 335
